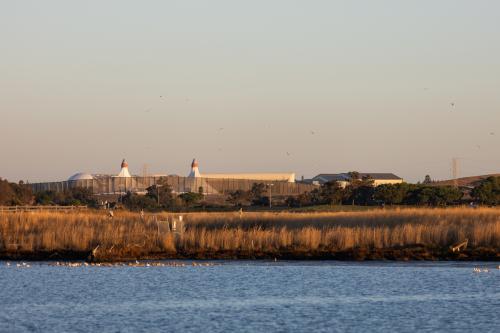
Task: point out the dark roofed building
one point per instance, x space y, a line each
378 178
330 177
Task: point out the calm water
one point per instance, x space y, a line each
251 297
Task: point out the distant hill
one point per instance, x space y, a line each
465 181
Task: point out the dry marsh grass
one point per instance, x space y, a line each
127 235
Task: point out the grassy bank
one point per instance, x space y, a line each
379 234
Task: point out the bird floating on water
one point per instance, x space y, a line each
480 270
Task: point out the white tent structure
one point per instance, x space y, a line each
124 173
195 172
81 176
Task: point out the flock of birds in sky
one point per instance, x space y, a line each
220 129
452 107
311 132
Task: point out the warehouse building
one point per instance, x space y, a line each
255 176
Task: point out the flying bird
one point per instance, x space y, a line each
492 133
312 132
287 154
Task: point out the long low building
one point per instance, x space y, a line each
279 177
265 176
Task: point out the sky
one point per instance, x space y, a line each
249 86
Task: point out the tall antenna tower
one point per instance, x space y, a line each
145 172
455 170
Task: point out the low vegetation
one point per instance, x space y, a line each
359 192
70 197
364 193
250 235
488 191
12 194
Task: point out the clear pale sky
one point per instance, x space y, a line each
243 84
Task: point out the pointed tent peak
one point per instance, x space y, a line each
124 171
194 169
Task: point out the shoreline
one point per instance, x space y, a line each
403 253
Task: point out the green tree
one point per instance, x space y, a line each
353 175
488 191
164 191
433 195
362 195
239 198
79 196
139 202
191 198
427 180
47 198
301 200
391 194
256 195
71 197
360 191
332 193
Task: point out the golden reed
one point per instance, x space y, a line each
128 234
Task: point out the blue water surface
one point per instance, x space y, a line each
252 296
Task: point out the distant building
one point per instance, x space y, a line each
344 178
81 176
209 184
195 172
124 173
265 177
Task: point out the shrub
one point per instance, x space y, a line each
191 198
488 191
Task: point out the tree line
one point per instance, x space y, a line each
20 194
362 192
357 192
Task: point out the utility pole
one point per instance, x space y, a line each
145 170
270 195
158 193
455 167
